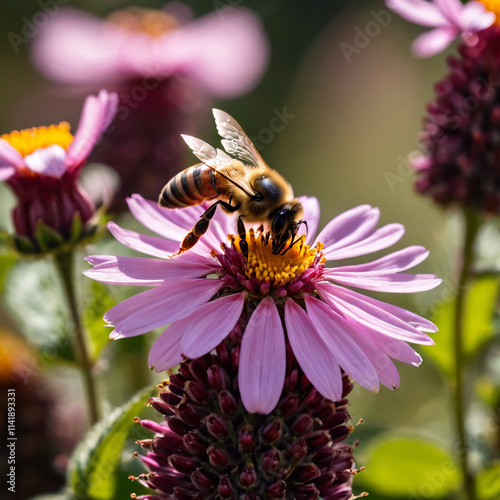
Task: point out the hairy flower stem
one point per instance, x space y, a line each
472 225
64 262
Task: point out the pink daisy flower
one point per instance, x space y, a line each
450 18
42 166
226 51
205 292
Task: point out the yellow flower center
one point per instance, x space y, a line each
493 6
28 140
263 265
154 23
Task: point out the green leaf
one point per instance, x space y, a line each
47 238
35 299
98 302
410 468
94 470
479 328
488 483
7 261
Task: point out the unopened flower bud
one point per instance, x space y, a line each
217 457
227 402
272 431
248 476
245 439
217 425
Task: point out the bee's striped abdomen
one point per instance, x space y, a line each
189 187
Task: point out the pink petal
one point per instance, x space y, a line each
451 9
474 17
171 224
97 114
48 161
6 171
433 42
166 351
141 271
210 324
392 263
349 228
76 48
262 363
383 237
151 245
392 283
311 215
418 12
349 355
313 356
356 309
160 306
225 69
9 155
386 371
404 315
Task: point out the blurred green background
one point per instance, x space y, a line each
355 120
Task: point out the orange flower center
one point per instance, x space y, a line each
263 265
154 23
28 140
493 6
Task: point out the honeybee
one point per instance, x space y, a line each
242 184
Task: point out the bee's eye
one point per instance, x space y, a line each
278 224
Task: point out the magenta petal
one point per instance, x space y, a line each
433 42
391 263
474 17
151 245
6 171
349 355
451 9
48 161
383 237
142 271
163 221
348 228
210 324
358 310
9 155
386 371
313 356
383 308
311 215
166 351
418 12
262 362
393 283
96 116
160 306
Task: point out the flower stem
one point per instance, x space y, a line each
64 263
472 225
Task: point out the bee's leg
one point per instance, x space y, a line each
243 234
200 228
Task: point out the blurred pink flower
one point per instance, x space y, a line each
450 18
293 298
226 51
165 68
42 166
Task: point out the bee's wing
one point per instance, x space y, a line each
214 158
235 141
206 153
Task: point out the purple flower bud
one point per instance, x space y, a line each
272 431
217 426
245 439
248 476
183 464
225 489
217 457
227 402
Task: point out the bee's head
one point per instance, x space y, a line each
285 221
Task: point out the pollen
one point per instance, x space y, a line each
154 23
28 140
493 6
280 269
